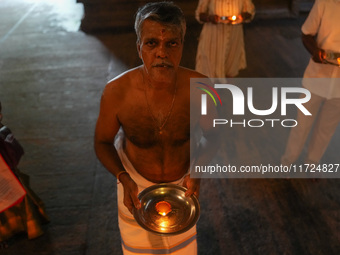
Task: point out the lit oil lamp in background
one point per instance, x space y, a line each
163 208
232 18
338 59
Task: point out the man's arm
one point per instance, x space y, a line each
106 129
205 152
318 55
208 144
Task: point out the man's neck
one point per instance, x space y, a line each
159 85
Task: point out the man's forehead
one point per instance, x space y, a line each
150 27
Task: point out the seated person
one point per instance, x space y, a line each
28 215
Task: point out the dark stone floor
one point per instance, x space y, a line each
51 79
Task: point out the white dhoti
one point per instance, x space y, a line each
136 240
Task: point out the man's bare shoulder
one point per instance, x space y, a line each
120 88
124 80
189 73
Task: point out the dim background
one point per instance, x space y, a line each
55 59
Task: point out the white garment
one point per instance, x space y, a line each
324 22
221 50
136 240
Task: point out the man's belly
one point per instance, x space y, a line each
159 165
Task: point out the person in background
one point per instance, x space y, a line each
28 215
321 37
220 51
146 110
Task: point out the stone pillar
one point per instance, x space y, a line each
119 15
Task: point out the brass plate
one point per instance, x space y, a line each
183 215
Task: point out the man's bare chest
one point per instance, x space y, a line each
146 128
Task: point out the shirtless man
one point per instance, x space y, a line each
151 104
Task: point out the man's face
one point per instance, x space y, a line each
160 49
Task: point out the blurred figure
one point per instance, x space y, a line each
221 50
321 37
28 215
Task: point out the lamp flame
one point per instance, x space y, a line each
232 18
163 208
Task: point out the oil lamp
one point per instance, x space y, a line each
232 18
163 208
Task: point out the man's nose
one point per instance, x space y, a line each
162 51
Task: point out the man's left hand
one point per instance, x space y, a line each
246 16
193 186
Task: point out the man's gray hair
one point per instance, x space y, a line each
166 13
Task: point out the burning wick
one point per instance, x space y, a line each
232 18
338 59
163 208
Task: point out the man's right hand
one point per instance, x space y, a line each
319 56
205 17
131 200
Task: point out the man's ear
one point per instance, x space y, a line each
138 49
